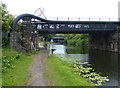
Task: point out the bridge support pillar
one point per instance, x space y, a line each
14 42
105 41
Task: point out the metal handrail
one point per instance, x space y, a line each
81 19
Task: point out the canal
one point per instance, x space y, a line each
105 63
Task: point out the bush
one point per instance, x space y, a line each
8 61
118 28
14 67
5 41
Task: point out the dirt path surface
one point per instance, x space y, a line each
36 69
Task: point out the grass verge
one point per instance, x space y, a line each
60 73
14 65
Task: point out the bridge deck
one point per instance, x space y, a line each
50 26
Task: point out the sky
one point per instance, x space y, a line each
65 8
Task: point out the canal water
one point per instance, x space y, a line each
105 63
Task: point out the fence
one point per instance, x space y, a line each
81 19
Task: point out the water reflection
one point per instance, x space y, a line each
56 48
76 50
80 57
105 63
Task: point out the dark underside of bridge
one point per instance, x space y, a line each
103 35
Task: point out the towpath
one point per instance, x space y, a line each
36 69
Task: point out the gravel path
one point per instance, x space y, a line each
36 69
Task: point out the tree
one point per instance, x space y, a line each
76 39
6 20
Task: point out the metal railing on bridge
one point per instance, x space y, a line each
81 19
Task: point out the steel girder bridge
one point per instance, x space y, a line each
33 25
64 27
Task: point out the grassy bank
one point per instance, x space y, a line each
14 67
60 73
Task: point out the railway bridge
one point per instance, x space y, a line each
103 35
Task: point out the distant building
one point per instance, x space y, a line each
58 39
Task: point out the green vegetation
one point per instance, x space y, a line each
65 71
32 51
118 28
76 39
88 72
76 50
61 74
6 18
6 22
14 67
85 70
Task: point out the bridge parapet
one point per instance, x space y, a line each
75 27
